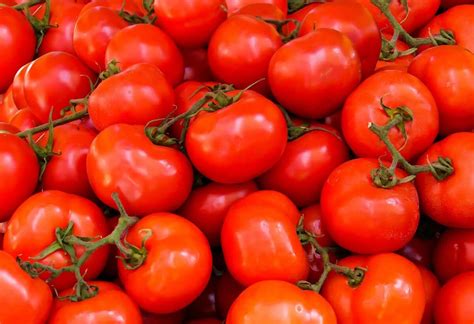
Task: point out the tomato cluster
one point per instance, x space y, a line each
253 161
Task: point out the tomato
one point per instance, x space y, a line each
305 165
40 215
263 10
19 172
351 209
8 128
235 5
145 43
299 15
449 202
391 292
17 44
24 299
401 62
240 51
52 80
274 301
227 291
312 222
419 250
245 139
190 23
259 239
67 172
25 119
92 33
18 87
149 178
298 73
139 94
452 3
196 65
177 267
454 302
8 109
395 88
452 65
205 304
431 284
355 21
207 206
130 6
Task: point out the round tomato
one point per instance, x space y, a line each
227 291
431 284
18 87
205 304
24 119
419 250
8 108
454 302
196 65
312 222
235 5
401 62
263 10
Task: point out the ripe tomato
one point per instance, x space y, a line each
401 62
263 10
25 119
52 80
19 172
449 202
391 292
278 302
130 6
419 251
305 165
240 51
138 94
190 23
454 302
298 73
17 44
452 65
207 206
299 15
312 222
352 208
235 5
452 3
8 109
8 128
227 290
245 139
353 20
67 172
196 65
177 267
39 216
259 239
205 304
24 300
145 43
431 284
395 88
18 87
110 305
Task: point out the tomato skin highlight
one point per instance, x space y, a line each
431 285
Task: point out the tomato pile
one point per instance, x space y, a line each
246 161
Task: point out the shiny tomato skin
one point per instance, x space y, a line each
110 305
52 80
298 74
391 292
205 304
139 94
19 171
8 128
449 202
190 23
395 88
17 44
280 302
145 43
18 87
148 178
352 209
227 291
24 299
40 215
448 71
431 284
8 108
245 139
299 15
207 206
355 21
24 119
131 6
196 65
259 239
264 10
312 222
419 251
235 5
177 267
305 165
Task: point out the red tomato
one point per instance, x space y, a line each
452 65
207 206
352 208
39 216
355 21
52 80
190 23
312 222
391 292
129 6
139 94
18 87
419 251
454 302
149 178
110 305
452 3
334 120
235 5
449 202
227 290
8 128
245 139
205 304
401 62
24 300
8 109
240 51
395 88
17 44
25 119
177 267
145 43
259 239
305 165
274 301
298 73
431 284
299 15
263 10
19 172
196 65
